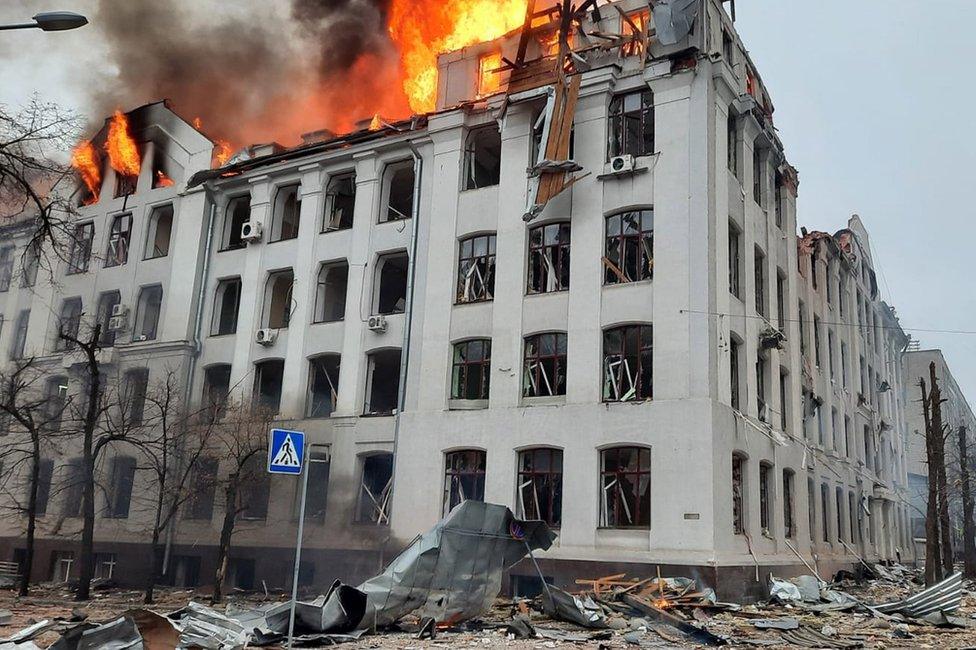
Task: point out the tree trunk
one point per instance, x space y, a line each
88 495
226 531
28 567
153 566
945 525
969 526
933 567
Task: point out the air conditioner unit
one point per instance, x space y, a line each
117 323
140 338
622 164
251 231
266 336
377 323
119 310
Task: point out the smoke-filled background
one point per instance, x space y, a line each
252 71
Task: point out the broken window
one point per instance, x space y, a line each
74 478
255 488
778 198
476 268
839 511
852 518
45 474
159 232
383 382
340 201
544 367
323 385
238 213
6 267
81 247
632 124
375 489
816 340
868 448
634 26
317 495
227 301
765 507
119 233
738 494
106 303
760 273
391 293
627 363
277 299
811 509
489 78
758 171
119 495
824 516
761 384
540 485
55 400
104 566
69 322
464 477
728 48
784 399
216 387
30 262
781 301
625 487
330 292
203 482
847 436
735 261
240 571
287 213
630 247
267 384
61 562
549 258
125 184
147 313
789 522
801 317
19 340
482 158
471 369
735 397
134 397
398 191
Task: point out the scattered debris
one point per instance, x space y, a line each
943 596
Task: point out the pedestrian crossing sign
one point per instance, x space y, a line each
286 450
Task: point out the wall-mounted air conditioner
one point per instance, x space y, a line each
377 323
251 231
117 323
622 164
266 336
119 310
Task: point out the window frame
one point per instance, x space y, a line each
267 310
390 170
120 230
559 342
642 470
150 251
469 173
310 411
558 266
618 118
735 260
644 355
618 244
142 304
551 478
282 195
460 370
454 474
470 262
789 505
256 395
220 296
329 212
82 240
739 487
230 233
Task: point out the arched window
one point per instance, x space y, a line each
216 388
323 385
630 247
482 158
238 213
398 181
268 377
464 477
375 489
628 363
391 283
69 323
632 124
544 365
625 487
160 230
340 201
227 300
471 369
540 485
789 507
277 299
147 313
476 268
330 292
287 213
549 258
738 493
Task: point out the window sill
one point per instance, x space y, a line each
279 241
553 400
610 285
328 231
225 334
162 257
480 301
644 400
386 221
467 404
326 322
384 414
233 248
529 294
623 527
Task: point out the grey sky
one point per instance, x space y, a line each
873 102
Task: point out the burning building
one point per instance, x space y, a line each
570 286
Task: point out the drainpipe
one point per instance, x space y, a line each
418 166
197 324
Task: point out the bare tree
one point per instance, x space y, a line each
24 400
969 526
240 440
933 565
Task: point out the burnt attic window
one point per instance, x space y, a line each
391 273
482 158
340 201
398 190
383 382
125 184
163 173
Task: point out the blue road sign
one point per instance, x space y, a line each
286 450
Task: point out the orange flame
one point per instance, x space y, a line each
84 158
222 152
425 28
376 123
123 152
162 180
489 80
197 124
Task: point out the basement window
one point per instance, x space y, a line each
738 494
391 275
627 363
482 158
549 258
105 564
476 269
216 388
255 489
69 322
398 191
135 388
540 485
340 201
287 213
765 508
625 487
632 124
464 477
383 382
277 299
159 232
147 313
544 366
268 376
121 476
789 514
471 370
227 300
81 247
118 241
323 385
330 292
238 213
630 247
375 489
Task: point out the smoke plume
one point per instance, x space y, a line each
250 72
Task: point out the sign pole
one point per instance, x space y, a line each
298 547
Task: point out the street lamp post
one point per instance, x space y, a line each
52 21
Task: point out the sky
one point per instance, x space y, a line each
873 103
